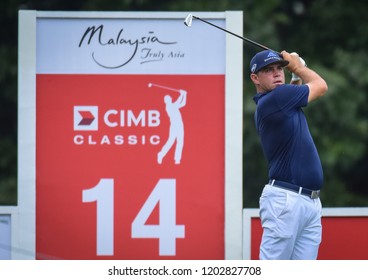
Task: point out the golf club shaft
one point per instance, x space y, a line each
236 35
164 87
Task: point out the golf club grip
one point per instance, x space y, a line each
236 35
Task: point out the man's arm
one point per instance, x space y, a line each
317 85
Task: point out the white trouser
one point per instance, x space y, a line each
291 224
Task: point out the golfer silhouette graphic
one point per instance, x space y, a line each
176 132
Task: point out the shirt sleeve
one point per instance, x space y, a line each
291 97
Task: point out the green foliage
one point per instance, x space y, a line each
8 104
329 35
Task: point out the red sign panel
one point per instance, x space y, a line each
130 166
344 238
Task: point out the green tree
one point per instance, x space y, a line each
329 35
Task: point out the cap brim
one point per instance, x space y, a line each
281 62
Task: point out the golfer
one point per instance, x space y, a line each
176 132
290 208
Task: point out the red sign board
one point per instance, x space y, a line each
128 166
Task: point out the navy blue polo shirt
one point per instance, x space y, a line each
285 138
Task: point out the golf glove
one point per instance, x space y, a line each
295 77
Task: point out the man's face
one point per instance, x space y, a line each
269 78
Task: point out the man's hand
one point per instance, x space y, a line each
317 85
294 61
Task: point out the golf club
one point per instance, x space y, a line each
163 87
188 22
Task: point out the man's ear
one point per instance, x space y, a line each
254 78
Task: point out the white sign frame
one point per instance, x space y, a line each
23 227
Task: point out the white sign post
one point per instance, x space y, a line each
130 136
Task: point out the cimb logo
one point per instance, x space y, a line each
86 123
85 118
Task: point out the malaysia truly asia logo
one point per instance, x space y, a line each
122 50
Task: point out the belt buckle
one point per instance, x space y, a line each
314 194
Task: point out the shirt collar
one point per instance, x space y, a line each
258 96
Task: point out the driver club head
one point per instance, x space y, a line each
188 20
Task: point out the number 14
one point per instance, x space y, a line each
167 231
